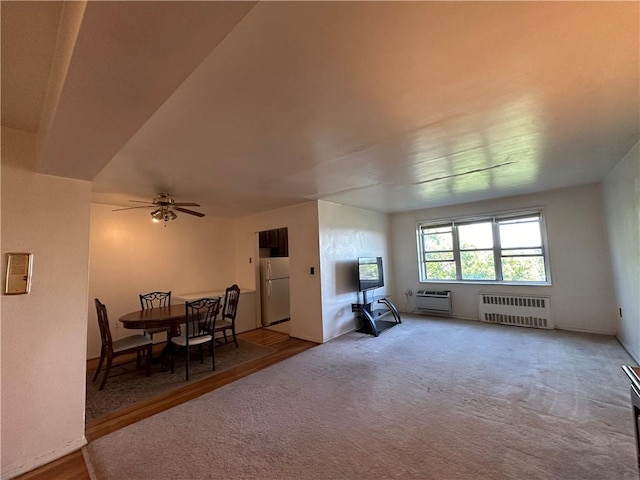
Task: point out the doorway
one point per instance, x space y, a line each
273 274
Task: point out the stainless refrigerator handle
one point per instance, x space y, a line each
269 270
269 289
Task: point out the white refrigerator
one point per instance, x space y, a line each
274 289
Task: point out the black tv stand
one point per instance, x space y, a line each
372 316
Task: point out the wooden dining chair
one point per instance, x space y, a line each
111 349
196 331
227 320
151 300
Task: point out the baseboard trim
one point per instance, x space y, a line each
628 350
19 469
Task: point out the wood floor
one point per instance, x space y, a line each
72 467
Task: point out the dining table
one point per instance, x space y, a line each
170 316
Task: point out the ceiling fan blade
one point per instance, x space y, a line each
190 212
185 204
131 208
141 201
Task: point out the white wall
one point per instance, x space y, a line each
131 255
347 233
582 295
302 224
44 333
622 202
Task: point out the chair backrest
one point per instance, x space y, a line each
231 298
200 316
155 299
103 323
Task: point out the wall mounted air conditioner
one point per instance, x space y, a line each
434 302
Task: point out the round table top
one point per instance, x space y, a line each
156 317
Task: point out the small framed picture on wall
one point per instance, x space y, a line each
18 279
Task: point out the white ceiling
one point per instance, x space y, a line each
244 107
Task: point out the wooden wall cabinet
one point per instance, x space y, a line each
277 241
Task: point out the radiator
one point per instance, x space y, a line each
433 302
520 310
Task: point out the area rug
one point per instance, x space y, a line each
129 386
428 399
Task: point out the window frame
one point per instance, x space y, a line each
495 218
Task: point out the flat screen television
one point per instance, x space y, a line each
370 274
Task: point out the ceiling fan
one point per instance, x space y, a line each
165 207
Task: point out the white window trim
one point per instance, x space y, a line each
477 218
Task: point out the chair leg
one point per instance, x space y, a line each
213 353
102 354
187 357
224 332
235 340
106 370
172 354
149 354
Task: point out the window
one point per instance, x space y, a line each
505 248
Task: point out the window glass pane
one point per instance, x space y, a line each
527 251
523 233
438 240
434 256
441 270
478 265
475 235
522 269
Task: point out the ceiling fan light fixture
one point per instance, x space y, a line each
164 206
157 215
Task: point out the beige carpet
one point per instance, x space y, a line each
130 385
428 399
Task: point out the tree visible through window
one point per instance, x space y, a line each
502 248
